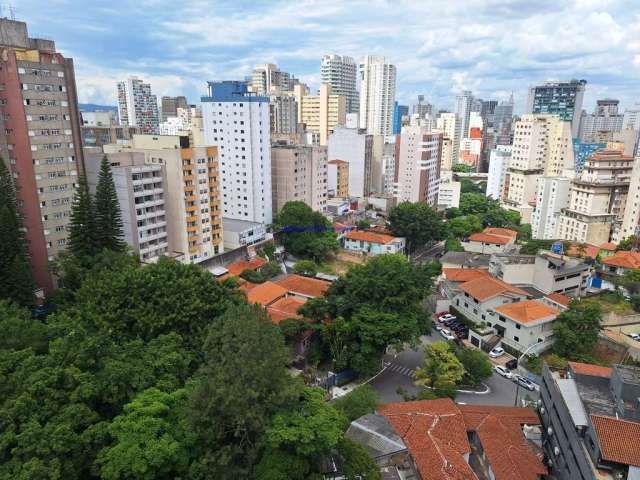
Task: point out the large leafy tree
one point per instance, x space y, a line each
441 368
108 220
462 227
304 232
576 330
358 402
417 222
16 283
476 365
242 384
628 243
82 234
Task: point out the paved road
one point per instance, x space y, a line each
401 372
428 254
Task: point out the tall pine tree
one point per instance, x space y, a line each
82 238
108 219
16 282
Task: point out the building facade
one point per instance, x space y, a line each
356 148
449 125
137 106
340 72
283 111
604 119
399 111
40 140
237 121
552 195
499 161
99 136
268 78
169 106
338 178
631 217
559 98
320 113
377 95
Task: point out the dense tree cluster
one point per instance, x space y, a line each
417 222
576 331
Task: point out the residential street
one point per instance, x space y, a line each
401 372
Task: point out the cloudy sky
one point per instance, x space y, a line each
492 47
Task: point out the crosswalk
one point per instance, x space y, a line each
407 372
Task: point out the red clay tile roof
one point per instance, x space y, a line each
337 162
501 232
285 308
528 311
369 237
237 268
591 370
590 251
623 259
487 238
266 293
308 287
247 286
484 288
609 246
464 274
619 439
560 299
435 434
499 429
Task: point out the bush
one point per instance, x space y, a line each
533 363
270 270
556 361
268 251
306 267
358 402
252 276
476 365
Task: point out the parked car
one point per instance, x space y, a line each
525 382
496 352
441 314
439 327
450 320
447 318
635 336
447 334
504 371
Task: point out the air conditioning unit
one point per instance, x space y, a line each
550 431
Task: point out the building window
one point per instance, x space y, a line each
517 339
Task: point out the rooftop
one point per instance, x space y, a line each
486 288
510 259
464 274
618 439
376 434
235 225
488 238
590 370
564 265
236 268
559 299
284 308
305 286
466 259
623 260
369 237
266 293
528 311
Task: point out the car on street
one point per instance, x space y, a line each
524 382
447 334
634 336
447 318
441 314
496 352
504 371
438 327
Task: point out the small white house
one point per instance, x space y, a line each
491 240
373 243
525 323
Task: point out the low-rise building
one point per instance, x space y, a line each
523 324
337 178
99 135
491 240
238 233
465 260
449 192
621 262
370 243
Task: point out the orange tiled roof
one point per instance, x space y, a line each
236 268
247 286
337 162
309 287
266 293
623 259
591 370
560 299
284 308
528 311
488 238
499 429
619 439
609 246
369 237
464 274
501 232
484 288
435 435
590 251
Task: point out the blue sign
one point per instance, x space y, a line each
557 248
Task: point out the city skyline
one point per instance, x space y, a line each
437 50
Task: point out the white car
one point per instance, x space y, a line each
439 327
525 382
446 317
496 352
504 371
634 336
447 334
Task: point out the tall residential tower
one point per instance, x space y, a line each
377 95
340 72
137 106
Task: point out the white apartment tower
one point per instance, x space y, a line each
237 121
464 101
552 195
341 72
418 165
377 95
499 161
137 106
356 148
449 124
631 219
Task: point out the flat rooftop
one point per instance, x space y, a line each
234 225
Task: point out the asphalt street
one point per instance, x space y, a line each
400 372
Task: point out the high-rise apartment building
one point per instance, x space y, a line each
299 173
341 73
604 119
418 165
558 98
464 102
399 111
423 108
237 121
283 111
552 196
137 106
338 178
631 118
449 125
40 139
502 120
98 118
597 199
631 218
355 147
320 113
268 78
169 106
377 95
542 146
498 175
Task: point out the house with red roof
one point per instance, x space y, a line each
524 324
370 243
442 440
620 263
491 240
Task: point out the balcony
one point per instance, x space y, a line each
192 208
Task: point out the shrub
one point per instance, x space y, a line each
306 267
270 270
252 276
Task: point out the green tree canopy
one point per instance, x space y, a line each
305 267
628 243
476 365
462 227
417 222
453 245
82 228
271 269
108 220
441 368
358 402
532 247
16 283
462 168
304 232
576 330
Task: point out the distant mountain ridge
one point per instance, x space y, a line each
93 107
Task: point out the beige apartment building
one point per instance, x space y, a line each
320 113
338 178
597 199
631 217
191 193
542 146
299 173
